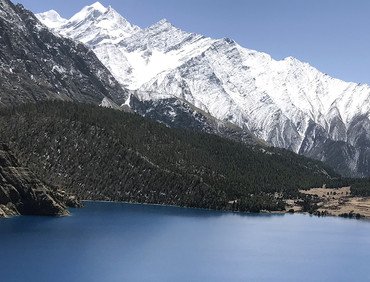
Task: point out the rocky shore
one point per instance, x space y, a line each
22 193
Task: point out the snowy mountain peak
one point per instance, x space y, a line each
292 61
114 23
97 6
88 13
51 19
163 25
228 40
51 14
94 24
162 22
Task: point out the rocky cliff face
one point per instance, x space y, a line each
37 65
287 103
22 193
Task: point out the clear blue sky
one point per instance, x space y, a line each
332 35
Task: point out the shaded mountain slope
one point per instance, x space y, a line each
37 65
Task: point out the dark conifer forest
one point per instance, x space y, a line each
104 154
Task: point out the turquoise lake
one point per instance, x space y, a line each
123 242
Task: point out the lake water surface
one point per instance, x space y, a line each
121 242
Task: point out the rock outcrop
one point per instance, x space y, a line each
22 193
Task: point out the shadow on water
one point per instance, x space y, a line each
108 218
169 210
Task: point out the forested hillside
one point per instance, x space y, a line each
103 154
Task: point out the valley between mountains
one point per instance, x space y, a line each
96 108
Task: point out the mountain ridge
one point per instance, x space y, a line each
287 103
36 65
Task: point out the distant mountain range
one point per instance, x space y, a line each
286 103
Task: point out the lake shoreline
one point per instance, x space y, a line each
323 210
264 212
337 202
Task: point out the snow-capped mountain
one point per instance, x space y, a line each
52 19
287 103
96 24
